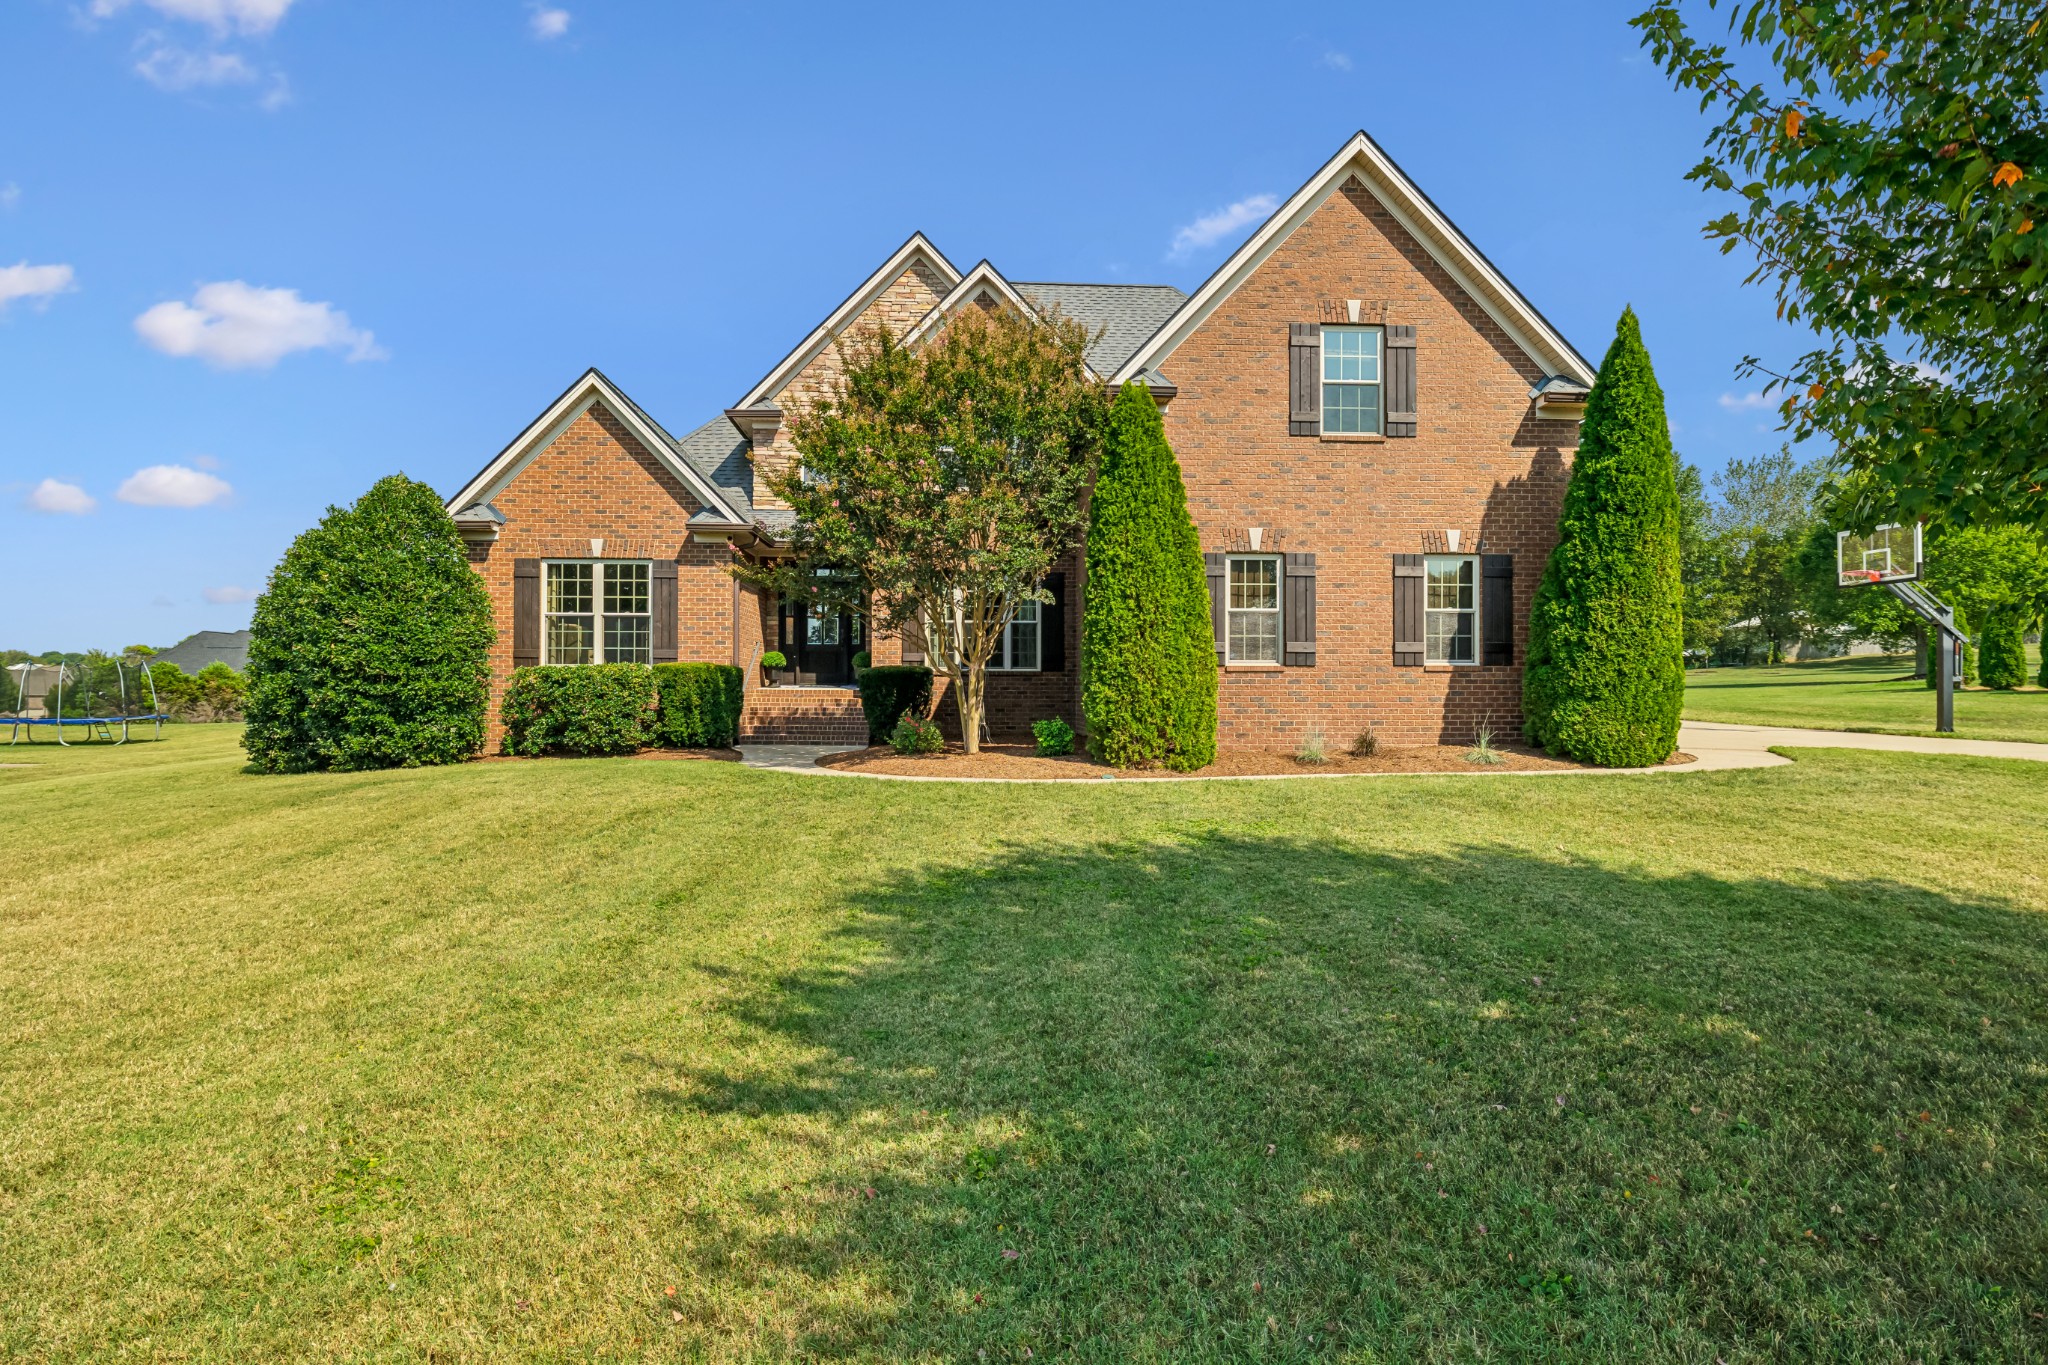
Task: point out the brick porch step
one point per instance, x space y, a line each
803 715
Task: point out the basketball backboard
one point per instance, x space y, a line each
1889 554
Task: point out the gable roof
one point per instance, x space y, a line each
982 279
1363 159
593 388
1125 314
197 650
852 307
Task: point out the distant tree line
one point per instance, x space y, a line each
1757 559
214 693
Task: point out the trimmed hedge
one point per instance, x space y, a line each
370 647
1148 659
2002 656
1605 679
589 709
699 705
886 693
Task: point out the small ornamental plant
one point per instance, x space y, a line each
1365 743
770 661
1482 751
915 736
1055 737
1312 754
863 661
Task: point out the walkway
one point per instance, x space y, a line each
1746 746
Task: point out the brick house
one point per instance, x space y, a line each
1375 429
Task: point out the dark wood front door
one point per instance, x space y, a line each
820 643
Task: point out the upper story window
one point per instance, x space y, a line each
1351 379
1253 609
1451 609
596 612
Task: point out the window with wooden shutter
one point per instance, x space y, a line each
1400 381
1298 611
1408 611
525 612
1052 626
1305 379
913 641
663 581
1217 566
1497 610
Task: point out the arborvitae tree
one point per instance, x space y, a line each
2002 650
1148 660
1605 678
370 647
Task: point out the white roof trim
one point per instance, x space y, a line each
856 303
1404 199
983 276
592 388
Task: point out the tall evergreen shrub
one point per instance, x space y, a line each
1148 660
1605 678
699 705
370 647
2002 649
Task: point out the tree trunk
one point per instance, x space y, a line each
970 685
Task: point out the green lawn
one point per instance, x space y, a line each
610 1060
1877 694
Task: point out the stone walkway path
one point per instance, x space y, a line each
1716 748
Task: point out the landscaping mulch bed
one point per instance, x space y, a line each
1022 761
715 755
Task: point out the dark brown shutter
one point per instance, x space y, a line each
1497 609
1298 611
525 612
1052 626
1217 566
1401 381
663 604
912 635
1408 611
1305 379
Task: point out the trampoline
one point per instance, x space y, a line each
96 701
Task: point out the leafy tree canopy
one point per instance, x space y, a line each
940 483
1892 167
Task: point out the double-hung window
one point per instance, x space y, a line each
1018 652
597 612
1253 610
1351 379
1451 609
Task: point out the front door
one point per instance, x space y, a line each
820 643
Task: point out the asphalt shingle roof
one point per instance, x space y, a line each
1126 314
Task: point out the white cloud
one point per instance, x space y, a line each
1335 60
205 462
233 325
245 16
223 596
172 485
10 197
52 495
169 67
1210 228
39 282
1746 402
548 22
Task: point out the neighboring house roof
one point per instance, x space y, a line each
1362 159
577 399
196 651
854 305
1125 314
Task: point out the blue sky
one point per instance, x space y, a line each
258 253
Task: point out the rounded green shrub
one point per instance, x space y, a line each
890 692
916 735
1054 737
580 709
370 646
1148 658
1605 677
698 705
2002 650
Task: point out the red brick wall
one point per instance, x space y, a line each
597 481
1481 463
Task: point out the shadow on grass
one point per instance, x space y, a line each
1243 1098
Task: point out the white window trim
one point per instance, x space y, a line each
1478 587
999 661
597 613
1378 385
1277 611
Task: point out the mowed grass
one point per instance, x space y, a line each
1873 694
618 1060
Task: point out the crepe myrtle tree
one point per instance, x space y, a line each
1890 166
938 483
